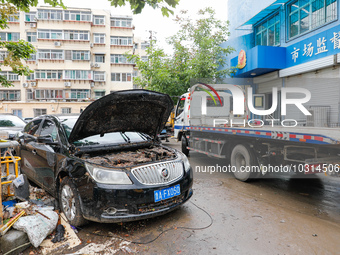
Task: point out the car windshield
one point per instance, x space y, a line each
11 121
108 138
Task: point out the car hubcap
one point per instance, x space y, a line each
68 202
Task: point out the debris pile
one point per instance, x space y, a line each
131 158
37 218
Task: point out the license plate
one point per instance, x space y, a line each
167 193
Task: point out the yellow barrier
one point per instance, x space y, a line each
6 161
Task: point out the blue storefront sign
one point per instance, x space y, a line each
265 59
317 46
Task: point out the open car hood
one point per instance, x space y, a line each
128 110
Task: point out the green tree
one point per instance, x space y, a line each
138 5
197 55
17 51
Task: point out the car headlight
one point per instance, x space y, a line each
107 176
185 161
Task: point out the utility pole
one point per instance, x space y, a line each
151 38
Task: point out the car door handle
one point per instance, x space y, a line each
34 152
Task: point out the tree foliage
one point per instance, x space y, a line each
197 55
138 5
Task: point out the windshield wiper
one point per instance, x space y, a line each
125 137
144 136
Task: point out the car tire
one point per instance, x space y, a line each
242 156
70 203
184 146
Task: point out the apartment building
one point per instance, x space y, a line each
80 57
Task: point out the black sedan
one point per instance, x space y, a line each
107 164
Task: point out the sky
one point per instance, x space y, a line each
151 19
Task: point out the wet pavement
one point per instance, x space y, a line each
283 215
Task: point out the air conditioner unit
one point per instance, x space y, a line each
57 44
67 84
92 84
25 85
96 65
33 25
91 45
92 64
33 84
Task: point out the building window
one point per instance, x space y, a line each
50 15
80 55
78 75
99 20
29 94
8 37
49 74
267 33
144 45
31 36
48 94
119 59
76 35
3 55
78 94
99 94
17 112
51 54
30 17
77 16
99 38
99 76
38 112
305 15
30 77
123 77
50 34
117 40
13 18
144 58
99 58
10 95
32 57
66 110
120 22
10 76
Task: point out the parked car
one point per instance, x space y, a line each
28 119
12 125
107 164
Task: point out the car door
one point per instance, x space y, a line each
46 148
27 149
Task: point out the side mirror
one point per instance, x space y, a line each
47 139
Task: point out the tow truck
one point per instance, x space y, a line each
206 123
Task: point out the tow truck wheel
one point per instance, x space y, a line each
185 145
242 158
70 204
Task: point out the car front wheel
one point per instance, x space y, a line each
70 204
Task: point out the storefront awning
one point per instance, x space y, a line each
260 60
266 11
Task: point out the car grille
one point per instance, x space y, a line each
152 174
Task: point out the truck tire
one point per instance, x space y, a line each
242 157
184 142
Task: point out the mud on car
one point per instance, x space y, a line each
106 164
